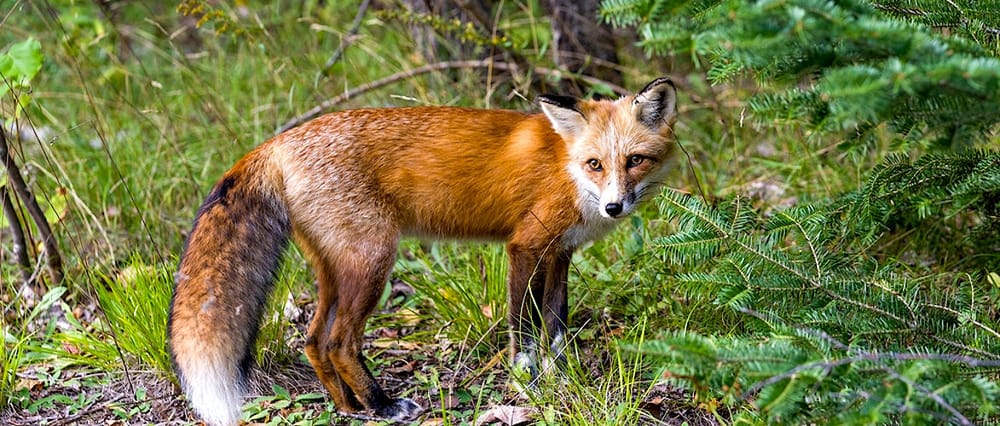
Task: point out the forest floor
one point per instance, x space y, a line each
462 389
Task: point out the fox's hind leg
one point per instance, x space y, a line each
317 339
356 271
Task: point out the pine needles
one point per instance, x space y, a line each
873 306
837 335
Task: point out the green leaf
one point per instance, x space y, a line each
310 397
20 64
50 298
57 208
281 392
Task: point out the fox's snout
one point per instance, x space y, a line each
616 204
613 209
616 201
619 192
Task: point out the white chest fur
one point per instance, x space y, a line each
593 227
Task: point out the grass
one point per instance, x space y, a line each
464 291
142 112
577 396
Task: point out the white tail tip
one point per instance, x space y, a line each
214 392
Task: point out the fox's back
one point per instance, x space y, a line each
439 171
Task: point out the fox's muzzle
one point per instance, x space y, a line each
613 209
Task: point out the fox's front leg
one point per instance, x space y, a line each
526 288
555 309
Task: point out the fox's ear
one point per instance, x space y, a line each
655 105
563 113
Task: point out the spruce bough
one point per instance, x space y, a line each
845 322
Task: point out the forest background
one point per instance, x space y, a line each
827 249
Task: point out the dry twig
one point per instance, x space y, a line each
346 41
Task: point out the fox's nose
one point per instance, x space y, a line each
613 209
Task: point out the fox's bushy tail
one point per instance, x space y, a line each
226 273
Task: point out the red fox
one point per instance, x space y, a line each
348 185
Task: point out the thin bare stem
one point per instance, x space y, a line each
347 39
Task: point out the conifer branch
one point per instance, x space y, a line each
972 321
855 71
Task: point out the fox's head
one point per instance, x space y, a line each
618 149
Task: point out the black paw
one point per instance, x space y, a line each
400 409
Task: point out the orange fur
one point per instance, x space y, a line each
347 186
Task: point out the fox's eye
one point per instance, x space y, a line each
595 164
635 160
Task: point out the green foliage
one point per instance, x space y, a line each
613 397
838 336
932 196
283 408
971 19
11 360
870 306
465 290
273 348
803 376
19 64
135 304
126 411
465 32
132 329
664 26
833 66
17 338
208 14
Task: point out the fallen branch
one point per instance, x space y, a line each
439 66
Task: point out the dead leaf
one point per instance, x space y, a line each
450 400
71 349
395 344
508 415
388 333
31 385
133 274
407 367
